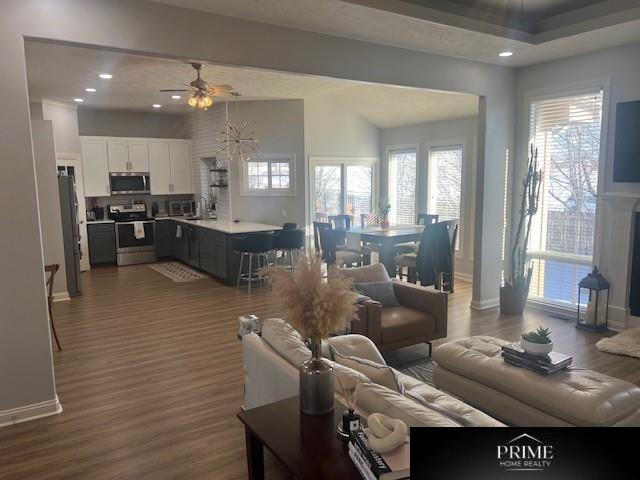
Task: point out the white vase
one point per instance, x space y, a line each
536 348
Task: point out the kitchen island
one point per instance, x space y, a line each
206 245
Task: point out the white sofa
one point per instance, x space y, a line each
271 374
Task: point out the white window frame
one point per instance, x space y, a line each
343 162
407 146
549 93
270 158
464 214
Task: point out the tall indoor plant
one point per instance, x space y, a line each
315 307
514 293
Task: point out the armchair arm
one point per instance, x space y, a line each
368 319
426 300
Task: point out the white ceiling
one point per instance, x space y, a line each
471 29
62 72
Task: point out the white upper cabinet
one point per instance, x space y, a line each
159 168
95 168
167 161
180 156
118 155
138 155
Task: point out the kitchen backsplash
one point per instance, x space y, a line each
161 200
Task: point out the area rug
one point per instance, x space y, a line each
625 343
177 272
420 368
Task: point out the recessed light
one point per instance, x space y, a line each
79 100
90 90
505 54
106 76
156 105
176 97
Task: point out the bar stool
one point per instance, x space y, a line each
253 246
288 243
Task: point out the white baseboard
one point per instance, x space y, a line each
485 304
61 296
30 412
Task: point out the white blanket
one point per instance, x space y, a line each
138 230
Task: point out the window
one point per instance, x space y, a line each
402 176
445 183
342 186
566 131
268 174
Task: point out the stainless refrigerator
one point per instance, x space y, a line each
70 233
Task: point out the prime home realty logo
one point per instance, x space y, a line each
525 453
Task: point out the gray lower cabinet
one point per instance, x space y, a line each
102 243
165 230
179 242
213 253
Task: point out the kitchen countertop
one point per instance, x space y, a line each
226 227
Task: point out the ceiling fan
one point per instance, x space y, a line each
201 93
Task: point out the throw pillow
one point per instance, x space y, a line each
381 292
379 374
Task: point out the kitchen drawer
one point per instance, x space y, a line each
101 227
102 243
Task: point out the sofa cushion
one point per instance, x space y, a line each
455 409
580 397
355 345
374 398
399 323
370 273
381 292
378 373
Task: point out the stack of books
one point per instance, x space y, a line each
372 465
553 362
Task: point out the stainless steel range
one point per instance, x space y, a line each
135 234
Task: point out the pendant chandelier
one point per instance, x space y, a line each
238 139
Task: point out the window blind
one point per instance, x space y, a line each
402 186
445 183
566 131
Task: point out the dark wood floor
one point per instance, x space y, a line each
151 378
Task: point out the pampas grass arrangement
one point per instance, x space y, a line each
315 308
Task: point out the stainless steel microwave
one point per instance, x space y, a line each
130 183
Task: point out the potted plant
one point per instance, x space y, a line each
385 208
316 307
514 292
538 342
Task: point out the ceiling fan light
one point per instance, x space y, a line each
192 101
208 101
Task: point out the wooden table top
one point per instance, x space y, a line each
393 231
308 446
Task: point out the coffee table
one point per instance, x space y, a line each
307 446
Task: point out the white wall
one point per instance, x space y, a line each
332 130
455 130
26 372
65 125
49 201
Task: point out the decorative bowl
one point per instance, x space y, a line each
536 348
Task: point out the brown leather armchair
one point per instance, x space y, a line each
420 318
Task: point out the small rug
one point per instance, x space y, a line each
420 368
177 272
625 343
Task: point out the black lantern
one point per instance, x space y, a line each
594 316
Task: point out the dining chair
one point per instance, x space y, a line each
412 247
51 270
325 244
443 278
427 218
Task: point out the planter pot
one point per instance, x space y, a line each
536 348
512 300
316 383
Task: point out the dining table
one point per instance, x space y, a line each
386 240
